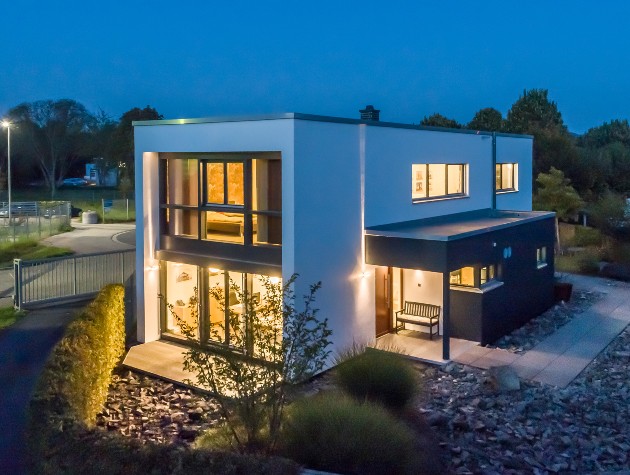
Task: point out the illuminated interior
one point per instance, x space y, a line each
506 176
235 301
437 180
241 198
464 277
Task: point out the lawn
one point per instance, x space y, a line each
9 315
86 198
28 249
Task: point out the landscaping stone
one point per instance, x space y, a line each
504 378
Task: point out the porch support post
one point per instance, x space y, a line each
446 317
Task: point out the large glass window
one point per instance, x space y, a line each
234 198
182 309
237 309
437 180
506 176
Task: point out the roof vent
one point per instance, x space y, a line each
369 113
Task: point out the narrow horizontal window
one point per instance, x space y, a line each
437 180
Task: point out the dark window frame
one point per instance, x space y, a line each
448 195
246 209
499 173
492 276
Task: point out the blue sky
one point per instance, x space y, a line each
410 59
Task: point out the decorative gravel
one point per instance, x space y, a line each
147 408
537 429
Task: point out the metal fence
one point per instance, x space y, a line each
66 278
33 219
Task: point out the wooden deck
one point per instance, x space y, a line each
163 359
417 345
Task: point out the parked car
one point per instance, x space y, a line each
19 209
74 182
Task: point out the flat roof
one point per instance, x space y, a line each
457 226
318 118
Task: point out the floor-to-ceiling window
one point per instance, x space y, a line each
221 305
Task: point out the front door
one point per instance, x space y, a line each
383 304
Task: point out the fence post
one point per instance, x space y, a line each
74 276
17 283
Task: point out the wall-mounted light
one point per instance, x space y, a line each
274 280
365 274
152 267
213 271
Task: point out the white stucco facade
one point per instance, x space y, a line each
338 177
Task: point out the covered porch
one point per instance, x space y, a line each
481 268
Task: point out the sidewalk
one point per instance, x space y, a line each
563 355
24 349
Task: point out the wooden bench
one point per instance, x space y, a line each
418 313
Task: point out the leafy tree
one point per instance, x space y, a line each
487 119
54 133
532 112
122 137
608 214
438 120
606 134
555 193
281 345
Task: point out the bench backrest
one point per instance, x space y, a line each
421 309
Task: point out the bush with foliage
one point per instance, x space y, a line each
79 371
280 345
378 376
76 450
338 434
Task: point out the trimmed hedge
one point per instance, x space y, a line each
79 371
337 434
379 376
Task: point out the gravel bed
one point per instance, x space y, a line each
533 332
150 409
537 429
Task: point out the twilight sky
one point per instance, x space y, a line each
196 58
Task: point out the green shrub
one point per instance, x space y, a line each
585 236
79 371
338 434
79 451
378 376
588 262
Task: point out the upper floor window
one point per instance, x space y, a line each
233 198
437 180
506 176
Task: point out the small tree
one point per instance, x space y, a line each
278 344
555 193
487 119
608 214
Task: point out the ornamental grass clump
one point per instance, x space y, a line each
338 434
378 376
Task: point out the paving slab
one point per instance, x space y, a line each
563 355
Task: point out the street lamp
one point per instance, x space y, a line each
7 125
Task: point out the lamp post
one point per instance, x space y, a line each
6 124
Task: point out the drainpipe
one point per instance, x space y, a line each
494 171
